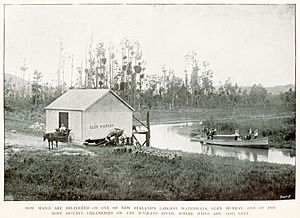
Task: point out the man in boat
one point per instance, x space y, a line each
211 133
214 131
255 135
204 132
236 135
250 134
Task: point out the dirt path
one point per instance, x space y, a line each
25 141
15 142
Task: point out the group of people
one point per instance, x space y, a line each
209 133
250 135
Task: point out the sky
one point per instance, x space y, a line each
250 44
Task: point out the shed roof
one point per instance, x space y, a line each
81 99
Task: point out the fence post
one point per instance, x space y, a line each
148 132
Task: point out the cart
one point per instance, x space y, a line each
65 136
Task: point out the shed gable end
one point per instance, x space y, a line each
109 103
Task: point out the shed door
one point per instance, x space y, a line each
63 119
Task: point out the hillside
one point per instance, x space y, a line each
13 79
274 90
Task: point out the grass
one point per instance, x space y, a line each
110 176
41 175
273 121
21 121
241 112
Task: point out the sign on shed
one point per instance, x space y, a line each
90 113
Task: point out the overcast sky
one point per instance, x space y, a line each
251 44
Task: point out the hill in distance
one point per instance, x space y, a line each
274 90
13 79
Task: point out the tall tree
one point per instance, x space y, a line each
192 61
257 94
101 77
36 87
90 72
289 98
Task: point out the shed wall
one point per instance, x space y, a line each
99 124
51 120
97 121
75 121
109 103
106 114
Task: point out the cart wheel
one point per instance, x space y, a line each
70 138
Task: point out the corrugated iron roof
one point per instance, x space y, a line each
81 99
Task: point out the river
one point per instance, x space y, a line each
164 136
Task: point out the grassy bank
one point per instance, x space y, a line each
178 114
226 112
41 175
21 121
273 121
280 130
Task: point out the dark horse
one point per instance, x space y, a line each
51 137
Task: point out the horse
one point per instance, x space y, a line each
51 137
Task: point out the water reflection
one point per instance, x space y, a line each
163 136
239 153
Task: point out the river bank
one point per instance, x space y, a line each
280 129
95 173
22 120
223 113
102 174
165 136
273 121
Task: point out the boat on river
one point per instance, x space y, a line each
229 140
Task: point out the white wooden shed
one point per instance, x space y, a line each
90 113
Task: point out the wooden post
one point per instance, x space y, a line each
148 132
